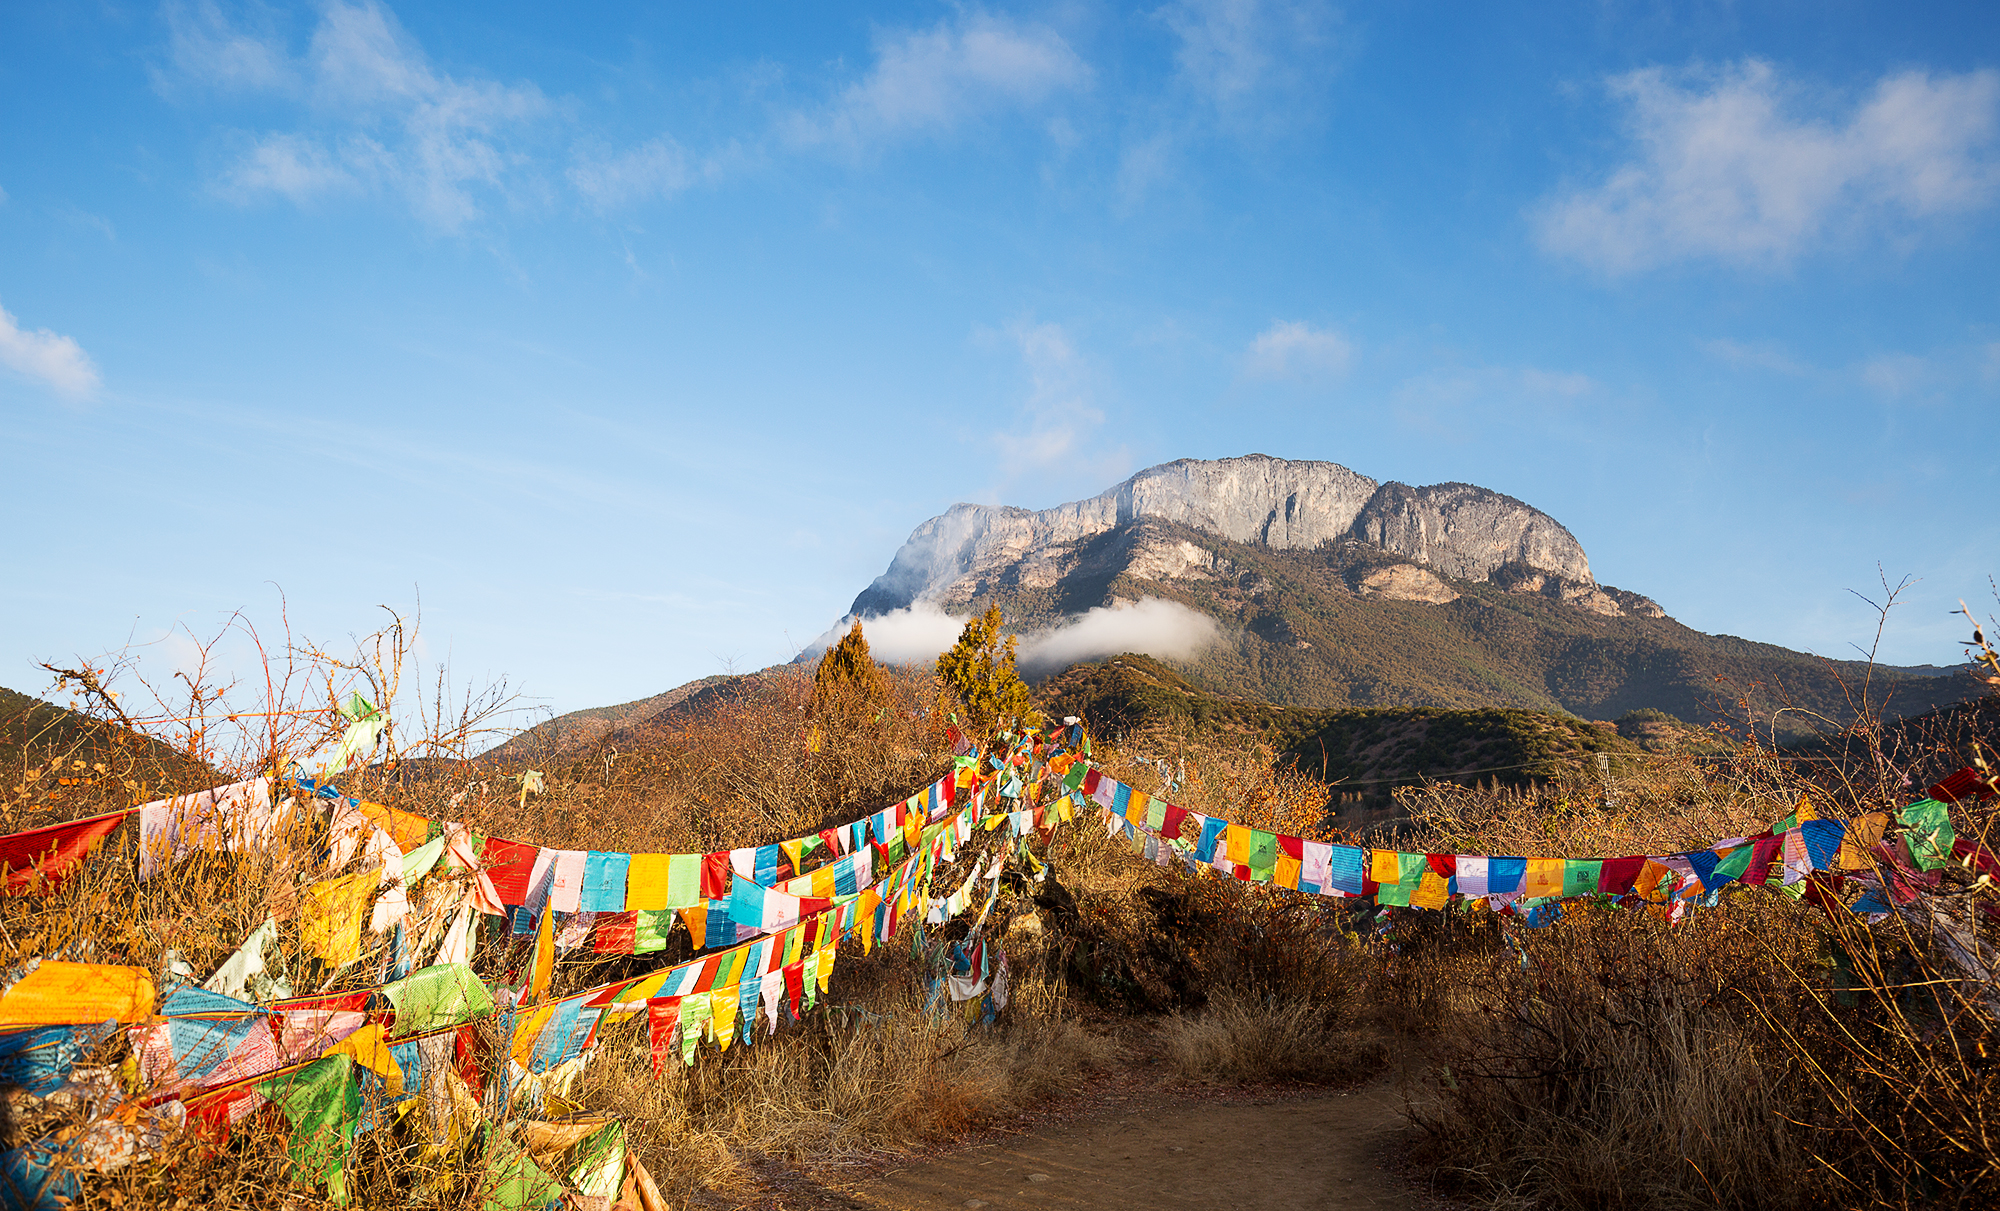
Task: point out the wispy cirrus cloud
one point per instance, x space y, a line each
48 357
1745 166
1245 70
1297 350
1239 53
1058 411
376 114
931 81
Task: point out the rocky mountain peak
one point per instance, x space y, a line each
1454 530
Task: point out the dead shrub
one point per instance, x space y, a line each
1247 1039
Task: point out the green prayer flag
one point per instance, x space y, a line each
1580 876
650 930
1735 862
695 1015
419 861
430 997
598 1162
322 1101
514 1182
684 881
1927 833
1410 870
1263 854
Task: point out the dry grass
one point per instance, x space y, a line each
1253 1040
1757 1054
1753 1056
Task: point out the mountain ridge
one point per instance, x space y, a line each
1454 529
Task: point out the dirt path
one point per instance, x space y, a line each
1324 1150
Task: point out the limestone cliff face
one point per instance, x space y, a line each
1469 532
1455 530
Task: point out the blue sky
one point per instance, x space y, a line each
633 340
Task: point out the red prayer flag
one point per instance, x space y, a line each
1764 852
715 875
1617 875
344 1002
508 864
1963 784
41 858
795 977
663 1024
616 933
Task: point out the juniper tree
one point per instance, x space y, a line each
980 667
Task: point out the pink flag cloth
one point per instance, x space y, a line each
567 893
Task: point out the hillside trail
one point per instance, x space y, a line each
1134 1138
1329 1149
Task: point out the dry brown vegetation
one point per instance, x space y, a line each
1757 1054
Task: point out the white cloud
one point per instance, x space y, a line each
383 116
1294 349
54 359
1726 166
208 51
1231 50
1760 355
930 81
654 169
1058 410
909 636
1151 626
297 166
1895 374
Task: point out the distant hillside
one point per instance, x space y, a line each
1366 752
65 750
1926 747
565 736
1347 625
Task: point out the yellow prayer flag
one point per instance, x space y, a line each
528 1032
1544 878
647 882
1287 872
63 994
545 954
1648 883
1384 868
369 1050
722 1006
1238 842
1135 807
1432 893
406 829
1862 835
330 916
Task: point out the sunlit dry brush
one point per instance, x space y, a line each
1760 1053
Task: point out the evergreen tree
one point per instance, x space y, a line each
980 667
848 675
